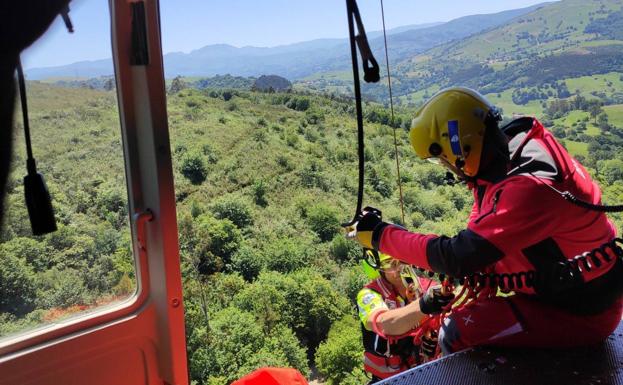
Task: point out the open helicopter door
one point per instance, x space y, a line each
140 340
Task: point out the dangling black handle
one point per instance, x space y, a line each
38 199
371 70
371 74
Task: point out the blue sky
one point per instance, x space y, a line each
191 24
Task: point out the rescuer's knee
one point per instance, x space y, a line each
449 336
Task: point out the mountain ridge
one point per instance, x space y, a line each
529 59
293 61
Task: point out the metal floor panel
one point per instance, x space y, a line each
596 365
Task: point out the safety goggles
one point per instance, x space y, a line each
393 265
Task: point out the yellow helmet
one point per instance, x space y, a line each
375 261
385 260
451 126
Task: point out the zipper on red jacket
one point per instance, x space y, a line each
493 210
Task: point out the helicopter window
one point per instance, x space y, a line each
87 264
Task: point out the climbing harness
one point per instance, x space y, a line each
482 285
564 275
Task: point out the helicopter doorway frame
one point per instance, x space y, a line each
142 340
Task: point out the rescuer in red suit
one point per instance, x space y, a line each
521 230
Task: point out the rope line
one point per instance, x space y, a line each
391 105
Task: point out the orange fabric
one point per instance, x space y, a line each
273 376
382 367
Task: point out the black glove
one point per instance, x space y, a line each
433 301
363 230
429 344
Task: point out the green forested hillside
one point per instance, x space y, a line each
282 169
87 262
563 52
263 181
538 50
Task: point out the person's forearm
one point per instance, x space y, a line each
404 245
399 321
465 253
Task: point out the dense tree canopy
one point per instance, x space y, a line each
263 181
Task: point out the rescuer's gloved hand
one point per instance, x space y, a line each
411 292
363 230
434 300
429 343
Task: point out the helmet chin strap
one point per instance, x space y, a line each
457 171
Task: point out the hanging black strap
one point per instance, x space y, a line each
568 196
371 70
38 201
590 206
371 75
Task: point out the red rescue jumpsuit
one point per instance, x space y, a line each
517 224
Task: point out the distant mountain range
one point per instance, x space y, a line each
300 60
531 57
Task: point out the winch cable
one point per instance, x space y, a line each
391 106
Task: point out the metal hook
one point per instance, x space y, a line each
140 218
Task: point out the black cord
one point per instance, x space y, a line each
38 200
30 161
371 70
587 205
350 6
569 197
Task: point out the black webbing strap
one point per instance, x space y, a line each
371 74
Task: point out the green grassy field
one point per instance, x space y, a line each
505 102
420 96
576 148
574 118
599 43
608 83
330 75
63 78
615 114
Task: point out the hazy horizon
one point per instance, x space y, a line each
241 23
